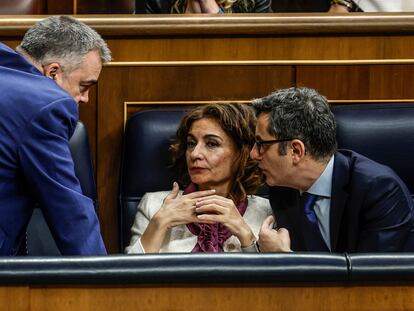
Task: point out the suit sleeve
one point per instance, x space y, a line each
387 217
48 168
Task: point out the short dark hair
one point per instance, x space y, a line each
238 122
62 39
300 113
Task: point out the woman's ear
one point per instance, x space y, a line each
298 150
52 71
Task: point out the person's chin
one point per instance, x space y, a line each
197 180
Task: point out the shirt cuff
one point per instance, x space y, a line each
136 248
140 245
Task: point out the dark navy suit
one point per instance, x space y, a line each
371 208
37 118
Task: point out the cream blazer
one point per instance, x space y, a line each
386 5
179 239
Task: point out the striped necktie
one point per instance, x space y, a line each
312 234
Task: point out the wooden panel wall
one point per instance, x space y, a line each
309 297
60 7
356 82
184 60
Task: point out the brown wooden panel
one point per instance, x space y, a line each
93 6
244 25
157 84
14 298
11 43
287 298
278 48
60 7
359 81
23 7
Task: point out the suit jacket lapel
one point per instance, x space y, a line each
339 196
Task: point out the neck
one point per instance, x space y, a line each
31 60
221 190
309 173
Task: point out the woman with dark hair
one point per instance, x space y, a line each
217 210
207 6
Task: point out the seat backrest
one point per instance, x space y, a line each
382 132
39 240
145 161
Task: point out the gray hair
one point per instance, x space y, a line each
300 113
62 39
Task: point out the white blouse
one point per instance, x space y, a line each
179 239
386 5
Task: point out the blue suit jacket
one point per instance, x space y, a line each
36 121
371 208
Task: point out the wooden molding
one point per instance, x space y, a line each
237 24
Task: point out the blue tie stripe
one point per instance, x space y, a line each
308 207
312 234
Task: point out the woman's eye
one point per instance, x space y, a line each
190 144
212 144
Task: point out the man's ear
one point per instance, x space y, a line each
298 150
53 71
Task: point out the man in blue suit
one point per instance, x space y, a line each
324 199
57 62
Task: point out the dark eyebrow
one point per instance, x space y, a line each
207 136
212 136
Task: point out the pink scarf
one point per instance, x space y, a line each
211 237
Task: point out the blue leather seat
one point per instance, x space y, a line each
382 132
39 240
145 162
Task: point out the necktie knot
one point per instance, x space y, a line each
308 200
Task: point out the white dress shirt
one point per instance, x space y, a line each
322 188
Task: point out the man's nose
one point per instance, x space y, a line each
84 98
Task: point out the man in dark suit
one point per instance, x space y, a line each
324 199
41 86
